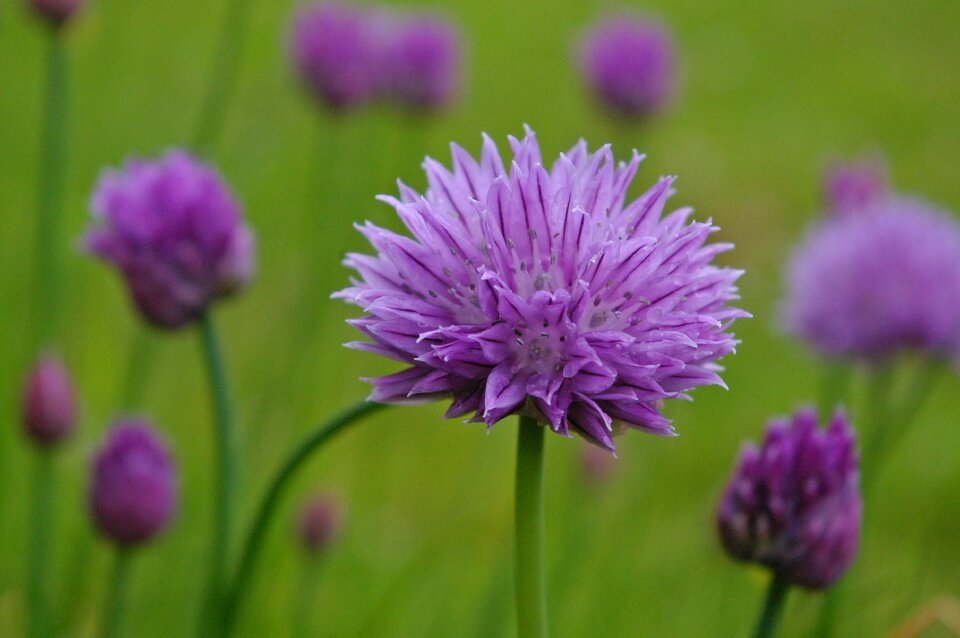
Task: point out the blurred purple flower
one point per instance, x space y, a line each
49 404
56 12
855 186
629 64
334 50
318 523
544 292
133 494
173 230
886 279
420 62
794 505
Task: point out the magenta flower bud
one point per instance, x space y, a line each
49 403
133 494
56 12
629 65
333 49
318 523
855 186
173 230
421 62
794 504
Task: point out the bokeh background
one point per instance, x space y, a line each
770 92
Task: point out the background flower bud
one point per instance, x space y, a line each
319 523
49 404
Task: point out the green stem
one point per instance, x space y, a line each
53 154
115 599
139 359
226 470
772 608
223 76
37 583
270 501
529 575
835 386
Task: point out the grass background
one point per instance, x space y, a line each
770 91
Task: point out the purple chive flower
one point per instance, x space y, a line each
866 286
56 12
856 186
333 47
794 504
420 66
318 523
173 230
49 403
629 65
133 494
543 290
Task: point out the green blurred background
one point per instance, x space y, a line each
770 91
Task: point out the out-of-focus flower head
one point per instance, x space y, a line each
855 186
629 63
173 230
319 523
49 402
794 504
56 12
134 489
871 284
539 289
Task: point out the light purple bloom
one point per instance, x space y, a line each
883 280
855 186
334 49
543 290
173 230
133 494
318 523
794 504
56 12
420 62
629 64
49 403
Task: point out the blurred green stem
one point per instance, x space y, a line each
529 572
226 472
37 583
53 154
110 623
270 501
835 386
772 608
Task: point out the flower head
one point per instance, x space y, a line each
420 62
544 290
318 523
883 280
629 64
173 230
334 50
794 504
133 493
56 12
855 186
49 404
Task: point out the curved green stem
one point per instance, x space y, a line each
53 153
110 625
772 608
226 470
223 76
529 575
270 501
38 622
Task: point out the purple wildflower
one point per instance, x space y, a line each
49 404
544 291
629 64
173 230
794 505
884 280
56 12
856 186
318 523
420 62
334 50
133 494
